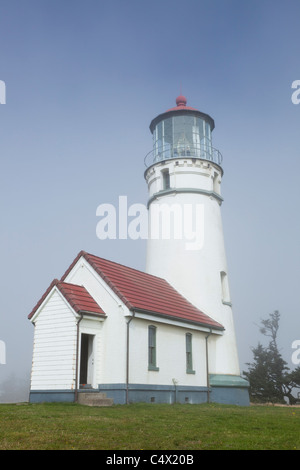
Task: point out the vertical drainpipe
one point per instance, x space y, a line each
77 359
127 359
207 368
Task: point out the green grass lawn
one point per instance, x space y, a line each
148 426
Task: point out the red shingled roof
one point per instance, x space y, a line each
77 296
144 292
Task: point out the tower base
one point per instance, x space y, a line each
229 390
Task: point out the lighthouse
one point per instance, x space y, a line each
186 242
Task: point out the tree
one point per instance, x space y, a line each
269 376
292 382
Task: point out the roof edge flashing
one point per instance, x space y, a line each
181 112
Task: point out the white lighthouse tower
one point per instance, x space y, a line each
186 244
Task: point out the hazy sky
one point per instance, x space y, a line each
84 79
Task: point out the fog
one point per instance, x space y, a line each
83 80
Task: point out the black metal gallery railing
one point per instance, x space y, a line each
204 152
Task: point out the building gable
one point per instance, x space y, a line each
76 296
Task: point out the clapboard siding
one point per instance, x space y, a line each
110 340
54 350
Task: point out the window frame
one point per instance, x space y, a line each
189 353
225 289
165 179
152 351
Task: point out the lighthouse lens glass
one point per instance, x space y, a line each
183 135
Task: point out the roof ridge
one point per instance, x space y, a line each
125 266
86 254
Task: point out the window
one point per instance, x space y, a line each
166 179
216 183
189 355
152 348
225 288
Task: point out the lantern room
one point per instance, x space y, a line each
182 131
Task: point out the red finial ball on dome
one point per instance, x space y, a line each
181 100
